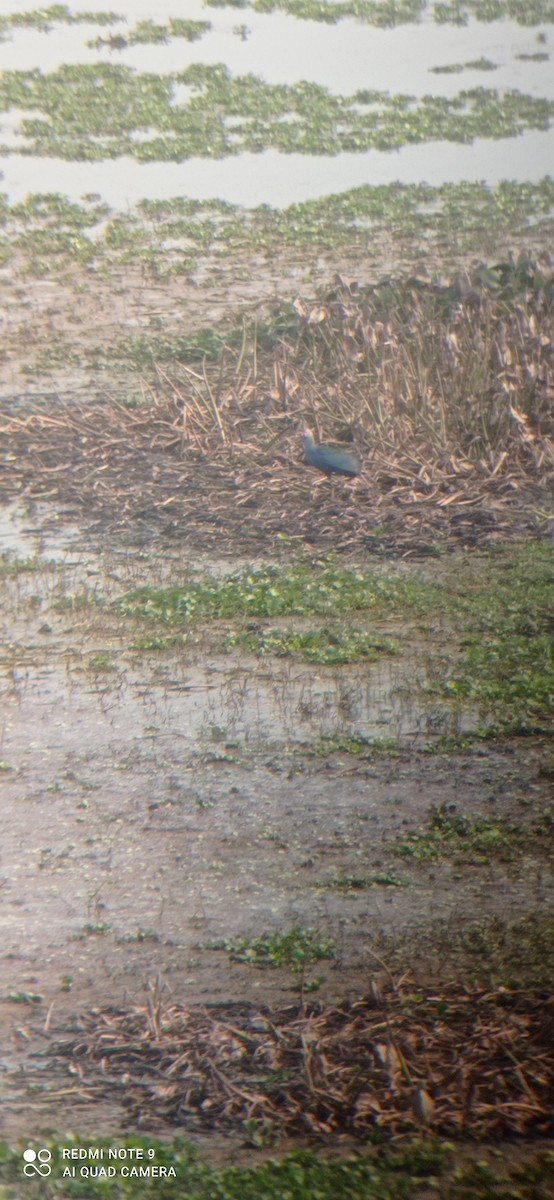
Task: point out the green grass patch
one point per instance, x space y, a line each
102 660
12 565
22 998
505 661
160 641
351 743
350 884
387 1173
100 929
295 950
493 615
492 951
326 647
509 953
450 835
299 589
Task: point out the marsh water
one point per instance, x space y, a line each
423 59
155 799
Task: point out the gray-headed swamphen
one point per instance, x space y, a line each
331 460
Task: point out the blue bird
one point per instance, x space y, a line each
330 459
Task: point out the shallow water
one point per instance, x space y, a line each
280 49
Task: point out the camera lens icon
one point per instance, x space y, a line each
37 1162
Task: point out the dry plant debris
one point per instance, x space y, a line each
462 1061
446 392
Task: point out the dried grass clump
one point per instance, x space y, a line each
463 1061
446 391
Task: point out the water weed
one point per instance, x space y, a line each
92 112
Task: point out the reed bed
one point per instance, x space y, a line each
445 389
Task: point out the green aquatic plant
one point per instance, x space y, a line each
494 619
270 591
451 835
459 12
96 111
327 647
151 33
390 13
45 18
295 950
49 233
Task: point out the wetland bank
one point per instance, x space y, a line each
276 755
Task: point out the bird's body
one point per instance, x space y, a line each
331 460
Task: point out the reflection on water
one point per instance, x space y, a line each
55 709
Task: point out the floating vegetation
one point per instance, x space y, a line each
45 18
327 647
269 591
459 12
48 232
497 624
476 64
384 13
387 14
91 112
146 33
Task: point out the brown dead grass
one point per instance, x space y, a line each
447 392
462 1061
